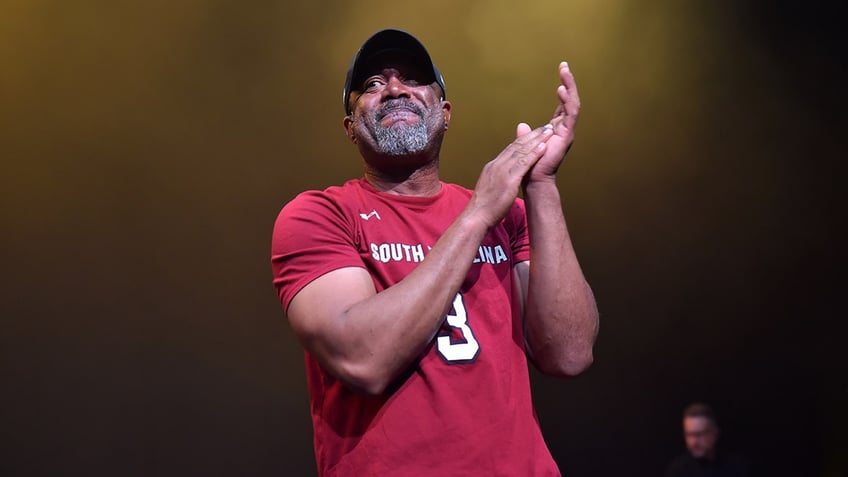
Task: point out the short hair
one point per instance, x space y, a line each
699 409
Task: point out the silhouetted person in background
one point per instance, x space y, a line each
703 457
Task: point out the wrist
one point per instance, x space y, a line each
540 185
477 216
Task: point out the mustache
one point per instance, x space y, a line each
399 104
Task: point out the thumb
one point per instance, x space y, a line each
522 129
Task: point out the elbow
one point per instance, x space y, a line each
366 388
568 365
578 365
363 379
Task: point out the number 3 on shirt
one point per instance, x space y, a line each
458 351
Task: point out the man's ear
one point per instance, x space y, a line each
348 127
446 110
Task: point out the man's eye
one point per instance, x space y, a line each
372 84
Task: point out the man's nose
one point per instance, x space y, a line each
395 88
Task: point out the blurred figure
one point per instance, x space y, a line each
703 458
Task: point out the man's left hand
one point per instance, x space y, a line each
563 122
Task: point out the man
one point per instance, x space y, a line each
418 302
700 431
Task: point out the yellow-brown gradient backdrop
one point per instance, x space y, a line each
146 148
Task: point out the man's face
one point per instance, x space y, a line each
701 435
397 110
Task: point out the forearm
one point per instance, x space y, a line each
561 317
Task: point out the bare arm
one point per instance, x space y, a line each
365 338
561 317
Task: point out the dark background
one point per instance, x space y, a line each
148 146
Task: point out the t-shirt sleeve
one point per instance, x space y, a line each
312 236
519 237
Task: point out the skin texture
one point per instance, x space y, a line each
365 338
701 435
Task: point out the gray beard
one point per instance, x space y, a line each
401 139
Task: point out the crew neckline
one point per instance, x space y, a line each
406 199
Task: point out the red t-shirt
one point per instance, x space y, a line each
464 408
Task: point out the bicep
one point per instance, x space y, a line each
316 312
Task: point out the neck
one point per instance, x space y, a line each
418 181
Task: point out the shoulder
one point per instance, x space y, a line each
328 202
321 198
318 213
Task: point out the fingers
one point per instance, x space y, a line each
522 129
501 178
527 148
527 138
568 96
519 156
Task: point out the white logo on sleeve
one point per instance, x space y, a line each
373 213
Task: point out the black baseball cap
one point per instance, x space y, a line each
383 41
